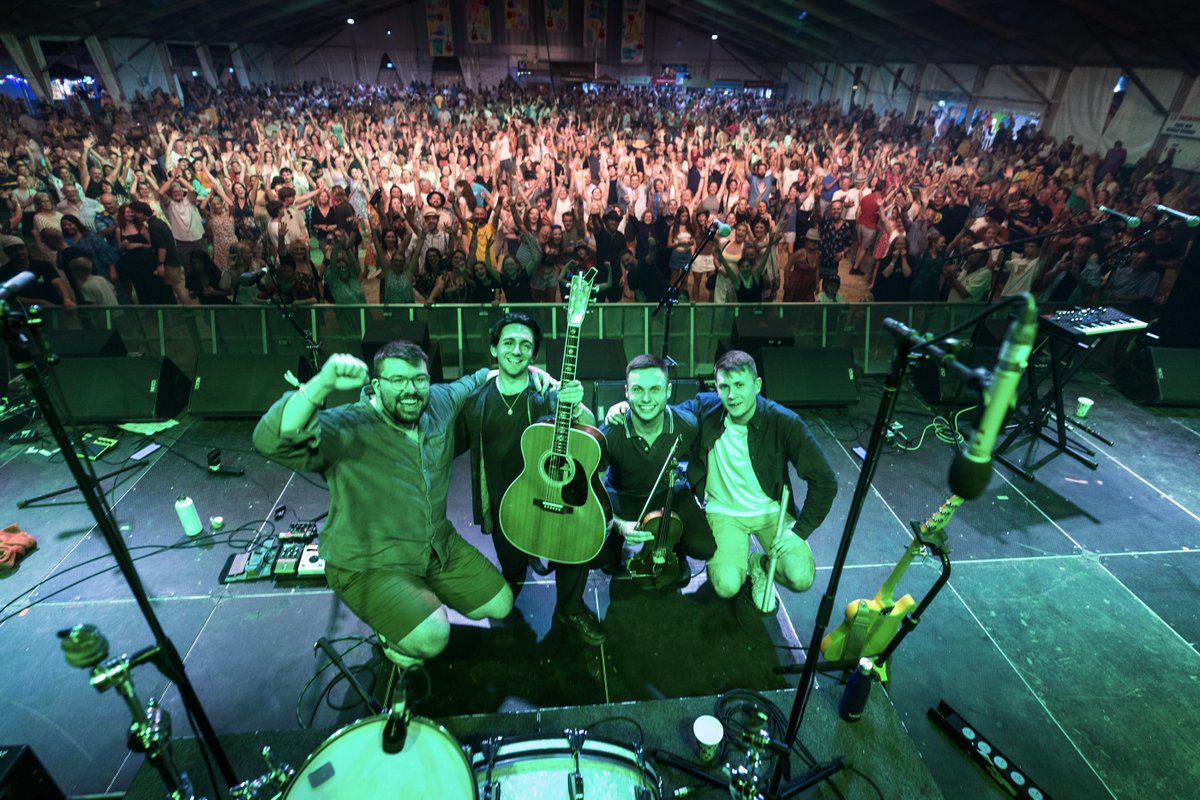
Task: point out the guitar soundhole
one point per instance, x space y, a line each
559 470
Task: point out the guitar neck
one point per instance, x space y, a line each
932 532
562 414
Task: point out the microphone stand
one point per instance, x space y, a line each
19 331
312 346
671 297
908 342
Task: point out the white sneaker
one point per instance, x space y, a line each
762 593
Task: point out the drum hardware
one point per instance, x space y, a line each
267 785
490 747
575 738
395 730
150 733
595 768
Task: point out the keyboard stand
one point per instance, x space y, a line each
1044 409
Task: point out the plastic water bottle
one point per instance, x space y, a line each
858 688
185 509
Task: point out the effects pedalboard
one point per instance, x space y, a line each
290 555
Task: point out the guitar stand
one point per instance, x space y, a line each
1046 409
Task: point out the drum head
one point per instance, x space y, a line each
351 765
533 769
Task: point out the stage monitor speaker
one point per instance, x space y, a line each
940 387
1167 376
607 393
752 332
809 376
239 385
122 389
75 344
379 332
23 776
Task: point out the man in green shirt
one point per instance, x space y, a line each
390 552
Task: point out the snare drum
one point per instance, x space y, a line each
531 769
351 764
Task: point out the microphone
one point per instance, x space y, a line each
972 468
252 278
718 228
13 287
395 730
1132 222
1191 220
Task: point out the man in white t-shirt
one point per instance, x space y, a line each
187 225
1021 270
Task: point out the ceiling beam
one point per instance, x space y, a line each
1025 79
1021 40
875 9
728 33
1120 24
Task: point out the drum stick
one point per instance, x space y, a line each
769 596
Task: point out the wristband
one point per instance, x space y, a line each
307 399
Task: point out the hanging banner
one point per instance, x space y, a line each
516 15
479 21
633 32
556 15
437 21
595 23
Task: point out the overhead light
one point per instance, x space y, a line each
714 37
389 33
349 20
231 70
941 103
195 74
391 65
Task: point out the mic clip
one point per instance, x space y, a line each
395 730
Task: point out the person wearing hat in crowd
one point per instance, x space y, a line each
50 286
800 274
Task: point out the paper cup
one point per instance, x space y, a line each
709 732
1082 406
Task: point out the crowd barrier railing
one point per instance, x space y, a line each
181 333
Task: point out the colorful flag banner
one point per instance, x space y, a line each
516 15
556 15
595 23
479 21
633 32
441 32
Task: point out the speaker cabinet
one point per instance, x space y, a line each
122 389
751 332
379 332
239 385
809 376
23 776
76 344
1167 376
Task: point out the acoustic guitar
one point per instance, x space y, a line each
553 510
870 625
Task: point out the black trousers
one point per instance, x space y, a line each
570 580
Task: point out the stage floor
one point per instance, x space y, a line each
1067 633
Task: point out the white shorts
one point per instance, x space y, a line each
704 263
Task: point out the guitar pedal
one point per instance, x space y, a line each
311 565
289 559
299 532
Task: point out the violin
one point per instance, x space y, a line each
656 562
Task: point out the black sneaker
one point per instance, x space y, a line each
585 624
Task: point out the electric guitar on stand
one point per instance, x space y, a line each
871 624
553 510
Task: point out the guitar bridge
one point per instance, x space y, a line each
553 507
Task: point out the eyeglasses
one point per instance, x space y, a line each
400 382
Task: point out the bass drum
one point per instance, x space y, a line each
533 769
351 765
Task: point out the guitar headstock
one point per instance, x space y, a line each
582 286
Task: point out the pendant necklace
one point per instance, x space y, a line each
513 404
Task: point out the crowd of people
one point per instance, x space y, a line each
443 195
